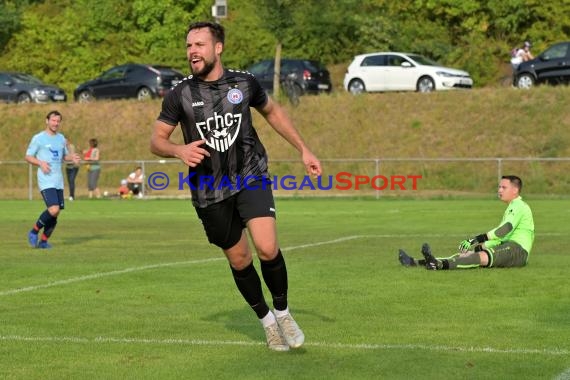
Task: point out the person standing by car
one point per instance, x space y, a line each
527 55
213 108
91 155
521 55
48 150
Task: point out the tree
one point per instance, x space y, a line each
275 16
161 28
68 41
10 17
90 37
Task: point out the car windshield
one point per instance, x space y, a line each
165 70
556 52
26 78
314 66
261 67
423 60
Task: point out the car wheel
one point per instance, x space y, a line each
525 81
144 93
24 97
85 97
356 86
425 84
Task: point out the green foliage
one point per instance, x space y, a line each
10 21
245 43
161 29
322 30
275 16
66 42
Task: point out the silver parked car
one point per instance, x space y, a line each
25 88
394 71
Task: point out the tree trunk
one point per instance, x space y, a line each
277 74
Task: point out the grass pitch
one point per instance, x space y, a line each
133 290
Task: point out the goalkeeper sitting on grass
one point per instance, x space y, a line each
508 245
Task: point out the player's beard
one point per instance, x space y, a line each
207 69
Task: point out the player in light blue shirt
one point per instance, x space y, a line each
48 151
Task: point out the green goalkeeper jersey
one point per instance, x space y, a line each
517 225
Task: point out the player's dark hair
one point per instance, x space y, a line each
516 181
93 143
216 29
54 112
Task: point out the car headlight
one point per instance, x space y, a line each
447 74
39 91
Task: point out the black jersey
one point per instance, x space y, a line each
219 112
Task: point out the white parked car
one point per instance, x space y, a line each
393 71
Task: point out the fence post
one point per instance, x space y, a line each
499 169
30 182
377 169
143 188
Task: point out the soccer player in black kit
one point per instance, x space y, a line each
212 107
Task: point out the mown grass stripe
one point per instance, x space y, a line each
95 276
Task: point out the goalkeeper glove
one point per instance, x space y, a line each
466 244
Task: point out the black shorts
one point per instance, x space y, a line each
224 221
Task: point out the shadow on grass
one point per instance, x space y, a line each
77 240
243 321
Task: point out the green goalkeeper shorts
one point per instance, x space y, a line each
507 255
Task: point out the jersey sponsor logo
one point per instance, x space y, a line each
235 96
198 104
220 131
54 152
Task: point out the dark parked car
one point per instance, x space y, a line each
24 88
131 80
552 66
311 77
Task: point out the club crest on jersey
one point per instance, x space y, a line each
235 96
220 131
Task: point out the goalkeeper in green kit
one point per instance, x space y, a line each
508 245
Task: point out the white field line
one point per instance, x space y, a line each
95 276
340 346
195 342
101 274
564 375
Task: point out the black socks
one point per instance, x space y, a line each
275 275
249 285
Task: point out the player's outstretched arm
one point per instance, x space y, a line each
282 124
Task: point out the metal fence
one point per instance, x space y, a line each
367 177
